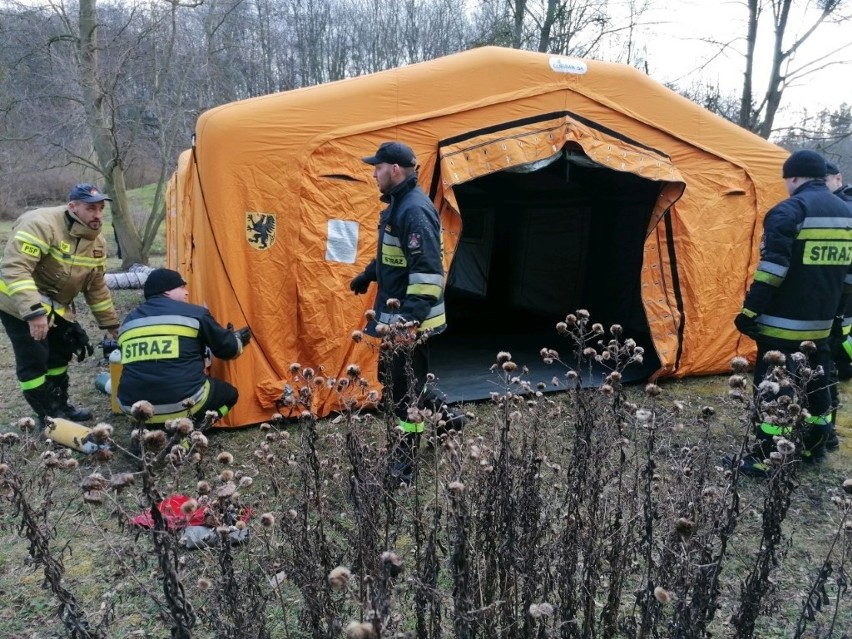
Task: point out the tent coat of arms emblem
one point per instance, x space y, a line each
260 230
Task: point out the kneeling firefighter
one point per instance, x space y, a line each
164 342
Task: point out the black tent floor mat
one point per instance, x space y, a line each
462 362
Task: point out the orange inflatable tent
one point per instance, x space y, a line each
561 183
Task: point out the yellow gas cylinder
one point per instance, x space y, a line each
70 434
115 367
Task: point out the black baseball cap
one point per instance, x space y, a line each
87 193
393 153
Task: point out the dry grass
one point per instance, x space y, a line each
551 516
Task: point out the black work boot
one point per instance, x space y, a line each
816 441
63 407
402 466
755 462
451 419
832 441
41 400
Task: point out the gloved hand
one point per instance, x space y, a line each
78 341
244 335
746 325
359 284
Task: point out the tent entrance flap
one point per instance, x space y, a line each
536 246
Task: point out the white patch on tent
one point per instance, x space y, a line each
342 243
568 65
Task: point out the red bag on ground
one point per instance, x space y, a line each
170 508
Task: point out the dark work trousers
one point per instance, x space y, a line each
222 398
34 358
408 370
818 389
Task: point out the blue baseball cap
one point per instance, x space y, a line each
88 193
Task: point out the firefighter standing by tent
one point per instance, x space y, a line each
53 255
841 346
163 346
408 268
798 288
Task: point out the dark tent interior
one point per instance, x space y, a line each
539 242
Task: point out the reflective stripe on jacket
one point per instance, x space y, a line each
163 343
409 265
49 259
805 262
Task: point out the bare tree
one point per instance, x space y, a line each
790 30
568 27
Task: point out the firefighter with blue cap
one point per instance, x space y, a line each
52 255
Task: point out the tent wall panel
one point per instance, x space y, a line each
295 156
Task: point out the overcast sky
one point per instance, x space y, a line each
677 50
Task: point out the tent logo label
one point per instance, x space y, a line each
260 230
568 65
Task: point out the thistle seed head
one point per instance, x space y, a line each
808 347
339 577
684 527
360 630
155 440
785 446
652 390
392 563
776 358
142 410
662 595
101 433
739 364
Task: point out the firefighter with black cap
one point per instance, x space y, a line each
834 182
841 346
798 288
54 254
409 268
164 343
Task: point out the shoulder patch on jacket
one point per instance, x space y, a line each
30 249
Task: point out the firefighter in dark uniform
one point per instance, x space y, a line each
409 268
841 346
53 255
798 288
163 347
834 182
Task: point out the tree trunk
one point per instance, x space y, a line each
747 96
108 158
519 8
547 26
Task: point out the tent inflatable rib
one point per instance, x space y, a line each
561 184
